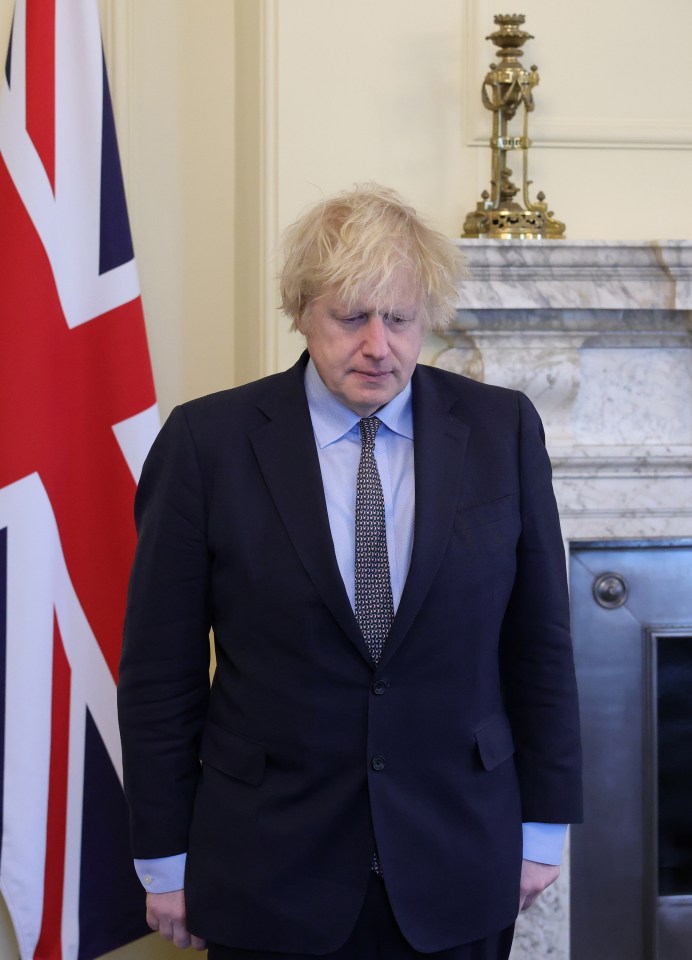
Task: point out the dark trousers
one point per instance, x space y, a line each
376 936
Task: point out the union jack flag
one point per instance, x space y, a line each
77 416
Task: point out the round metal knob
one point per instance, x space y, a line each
610 590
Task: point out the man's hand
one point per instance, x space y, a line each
535 877
166 914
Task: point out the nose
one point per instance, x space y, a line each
375 342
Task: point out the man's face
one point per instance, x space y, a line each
364 357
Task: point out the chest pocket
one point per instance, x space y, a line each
484 513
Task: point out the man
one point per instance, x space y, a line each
376 546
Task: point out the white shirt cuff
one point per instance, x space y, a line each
543 842
162 874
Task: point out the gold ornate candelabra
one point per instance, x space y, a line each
507 90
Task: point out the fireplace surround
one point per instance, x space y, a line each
599 335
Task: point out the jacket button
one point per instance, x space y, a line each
379 686
378 763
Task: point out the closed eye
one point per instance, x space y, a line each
391 319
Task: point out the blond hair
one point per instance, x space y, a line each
365 241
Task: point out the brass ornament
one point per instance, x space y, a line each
508 89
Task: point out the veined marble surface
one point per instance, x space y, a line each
599 335
593 274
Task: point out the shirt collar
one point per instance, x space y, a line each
331 419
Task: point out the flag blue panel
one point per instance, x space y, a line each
116 240
111 899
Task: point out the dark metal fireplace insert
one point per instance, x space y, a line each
631 860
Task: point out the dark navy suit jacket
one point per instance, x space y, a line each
280 781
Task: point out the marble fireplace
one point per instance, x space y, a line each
599 335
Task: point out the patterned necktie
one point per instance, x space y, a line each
374 605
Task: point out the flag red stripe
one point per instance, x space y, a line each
66 389
49 945
40 81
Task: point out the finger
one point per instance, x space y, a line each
198 943
528 901
181 937
165 929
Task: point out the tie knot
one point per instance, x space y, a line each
368 429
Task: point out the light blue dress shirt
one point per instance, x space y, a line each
337 436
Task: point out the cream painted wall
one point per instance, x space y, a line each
235 114
391 91
175 113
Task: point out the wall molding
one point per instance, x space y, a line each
256 175
270 345
604 133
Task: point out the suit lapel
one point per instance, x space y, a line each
440 439
287 457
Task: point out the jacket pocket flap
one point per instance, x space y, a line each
484 513
232 754
494 740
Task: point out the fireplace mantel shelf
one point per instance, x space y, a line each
581 274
